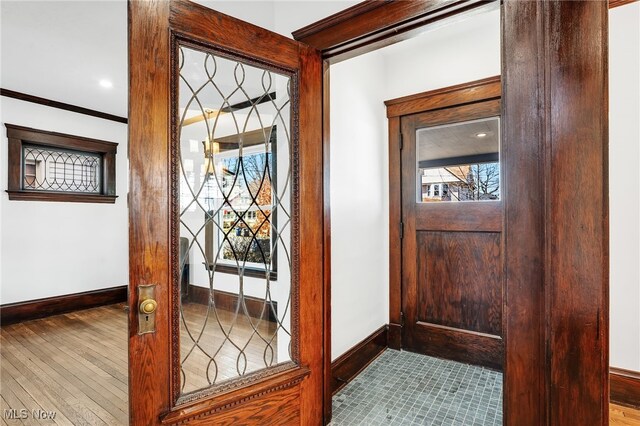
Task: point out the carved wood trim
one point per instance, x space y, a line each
232 397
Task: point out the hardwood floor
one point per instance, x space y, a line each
623 416
76 365
256 338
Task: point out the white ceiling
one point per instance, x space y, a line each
61 50
459 139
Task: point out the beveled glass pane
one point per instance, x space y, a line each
459 162
235 219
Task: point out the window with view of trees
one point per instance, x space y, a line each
242 233
459 162
246 216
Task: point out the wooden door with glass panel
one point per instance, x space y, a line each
226 276
452 287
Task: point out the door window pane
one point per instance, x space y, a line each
459 162
235 220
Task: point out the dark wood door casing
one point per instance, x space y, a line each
554 53
555 125
293 396
374 24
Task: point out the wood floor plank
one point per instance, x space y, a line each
81 364
19 399
623 416
59 382
74 371
54 385
34 387
78 361
108 409
93 360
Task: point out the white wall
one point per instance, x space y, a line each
624 185
359 202
458 53
53 248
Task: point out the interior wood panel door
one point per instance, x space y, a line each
226 271
452 286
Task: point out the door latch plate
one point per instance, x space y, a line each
146 321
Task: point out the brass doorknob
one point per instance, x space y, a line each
148 306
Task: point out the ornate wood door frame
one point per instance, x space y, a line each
282 396
555 133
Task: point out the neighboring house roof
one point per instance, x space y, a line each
445 175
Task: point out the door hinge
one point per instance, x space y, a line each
401 319
401 230
401 141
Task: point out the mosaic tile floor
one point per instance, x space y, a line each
404 388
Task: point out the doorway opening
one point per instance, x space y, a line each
376 153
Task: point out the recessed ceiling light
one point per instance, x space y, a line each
107 84
481 135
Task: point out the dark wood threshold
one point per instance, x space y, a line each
351 363
624 387
11 313
228 301
61 105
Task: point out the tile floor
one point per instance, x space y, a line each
404 388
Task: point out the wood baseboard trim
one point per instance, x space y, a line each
458 345
12 313
356 359
228 301
624 387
